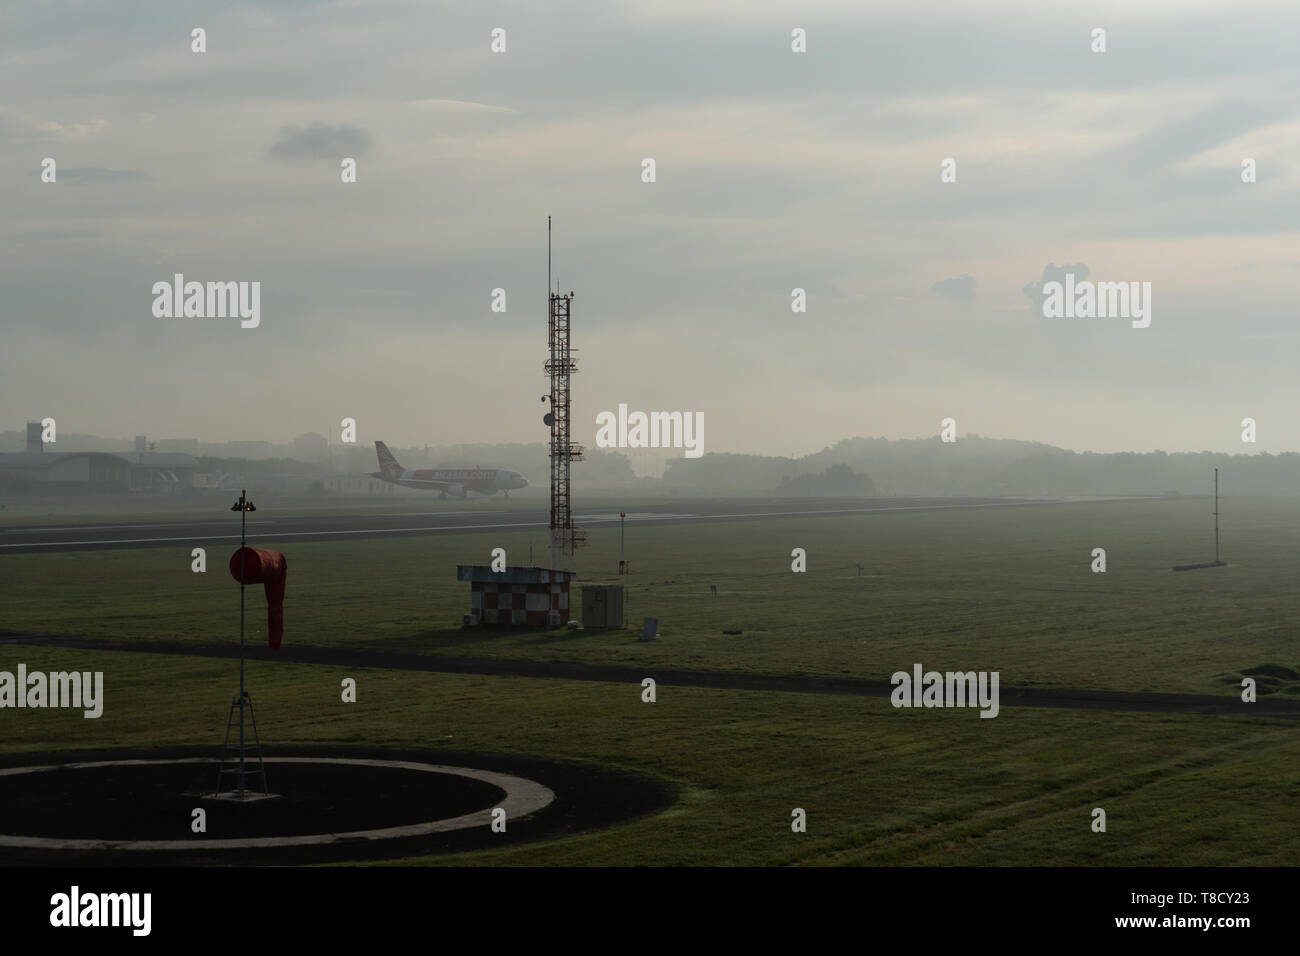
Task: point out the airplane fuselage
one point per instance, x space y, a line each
448 481
484 481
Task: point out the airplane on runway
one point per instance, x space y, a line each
458 482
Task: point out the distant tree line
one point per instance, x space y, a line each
835 480
976 466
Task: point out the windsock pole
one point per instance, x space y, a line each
243 506
243 542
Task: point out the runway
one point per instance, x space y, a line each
264 527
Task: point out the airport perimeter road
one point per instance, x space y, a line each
464 519
1010 696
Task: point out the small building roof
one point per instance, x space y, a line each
44 459
483 573
30 459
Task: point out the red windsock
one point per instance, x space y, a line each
268 568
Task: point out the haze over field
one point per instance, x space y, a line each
854 467
775 171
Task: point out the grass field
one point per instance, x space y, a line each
1005 590
880 786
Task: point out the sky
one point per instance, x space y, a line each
775 170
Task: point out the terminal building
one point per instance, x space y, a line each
39 471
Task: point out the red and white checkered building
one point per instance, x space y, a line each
519 597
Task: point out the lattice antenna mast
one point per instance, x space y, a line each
560 366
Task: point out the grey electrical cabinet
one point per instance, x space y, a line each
602 606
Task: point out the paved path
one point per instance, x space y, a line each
1009 696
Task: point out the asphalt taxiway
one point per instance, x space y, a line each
459 518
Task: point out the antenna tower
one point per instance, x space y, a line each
560 366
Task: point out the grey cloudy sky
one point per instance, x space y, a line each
775 170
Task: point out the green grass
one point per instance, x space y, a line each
880 786
1006 589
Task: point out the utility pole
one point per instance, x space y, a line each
243 701
1216 516
244 506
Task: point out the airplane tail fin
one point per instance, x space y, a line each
387 463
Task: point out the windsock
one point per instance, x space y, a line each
267 568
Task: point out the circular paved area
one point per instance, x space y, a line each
133 808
